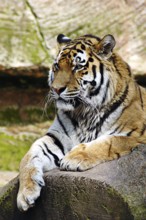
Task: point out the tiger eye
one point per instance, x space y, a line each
78 59
93 83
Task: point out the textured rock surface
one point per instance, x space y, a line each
29 28
113 191
6 176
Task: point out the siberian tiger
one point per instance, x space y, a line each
101 113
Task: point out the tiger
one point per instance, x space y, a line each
100 113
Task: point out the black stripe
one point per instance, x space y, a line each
77 82
105 94
79 51
128 68
73 120
56 142
88 43
62 125
83 61
101 68
83 140
36 156
83 47
91 60
122 127
96 91
130 132
113 108
56 159
44 152
86 65
94 71
109 150
126 107
141 100
143 129
115 130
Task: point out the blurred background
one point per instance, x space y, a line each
28 30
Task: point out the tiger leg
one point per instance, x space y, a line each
43 155
87 155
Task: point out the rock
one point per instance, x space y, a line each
6 176
23 86
113 190
23 94
24 77
29 28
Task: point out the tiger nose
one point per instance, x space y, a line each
59 90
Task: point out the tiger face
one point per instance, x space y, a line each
77 72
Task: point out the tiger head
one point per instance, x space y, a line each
76 75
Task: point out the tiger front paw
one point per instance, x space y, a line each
79 159
29 191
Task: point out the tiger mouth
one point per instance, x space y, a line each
67 101
73 102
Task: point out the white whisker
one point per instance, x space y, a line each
48 101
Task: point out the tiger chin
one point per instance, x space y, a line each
101 113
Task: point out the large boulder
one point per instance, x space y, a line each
29 28
113 190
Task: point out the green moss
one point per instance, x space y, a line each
25 39
34 54
9 115
139 212
12 150
7 202
111 191
38 115
26 115
4 199
109 212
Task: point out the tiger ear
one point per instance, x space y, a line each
62 40
106 46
